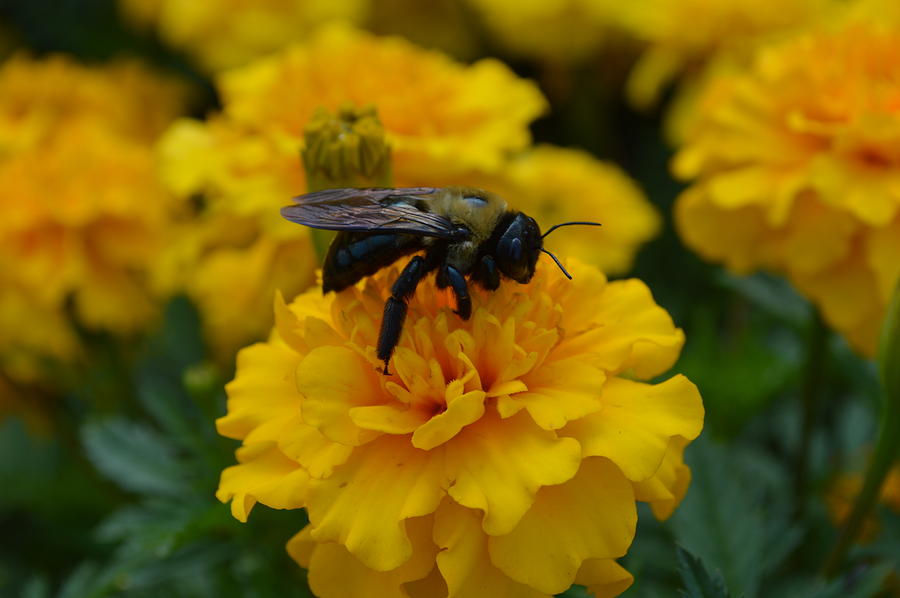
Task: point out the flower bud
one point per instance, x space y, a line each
347 149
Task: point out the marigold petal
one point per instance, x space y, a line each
184 156
737 237
811 221
462 411
430 586
559 392
669 484
333 380
464 561
592 515
287 325
499 465
300 546
632 333
604 578
388 418
263 389
395 481
335 573
636 422
314 452
846 293
265 475
883 256
740 186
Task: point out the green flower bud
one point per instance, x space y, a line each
347 149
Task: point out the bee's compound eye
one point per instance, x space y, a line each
515 249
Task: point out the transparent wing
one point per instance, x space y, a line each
372 210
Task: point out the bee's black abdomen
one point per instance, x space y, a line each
353 256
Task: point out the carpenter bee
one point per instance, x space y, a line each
465 233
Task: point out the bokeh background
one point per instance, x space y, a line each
146 146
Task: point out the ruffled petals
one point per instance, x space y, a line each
636 422
464 561
334 380
264 475
604 578
498 466
592 516
335 573
263 389
394 481
665 490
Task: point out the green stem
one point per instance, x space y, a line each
887 448
881 463
816 350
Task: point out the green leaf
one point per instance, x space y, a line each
135 457
886 546
37 587
84 582
180 339
698 582
862 583
188 563
154 527
731 519
739 375
30 464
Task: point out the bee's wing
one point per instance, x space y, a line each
371 210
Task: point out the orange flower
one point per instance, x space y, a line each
796 170
504 456
85 216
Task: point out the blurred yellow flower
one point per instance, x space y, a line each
681 35
84 216
441 119
503 457
556 185
797 169
553 185
227 33
562 31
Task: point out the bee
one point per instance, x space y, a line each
465 234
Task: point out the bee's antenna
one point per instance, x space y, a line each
556 226
569 276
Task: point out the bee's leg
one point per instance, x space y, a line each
396 306
487 274
450 276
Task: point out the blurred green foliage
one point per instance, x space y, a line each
126 506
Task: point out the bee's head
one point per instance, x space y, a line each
518 247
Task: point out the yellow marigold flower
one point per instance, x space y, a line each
797 170
681 35
503 457
439 117
555 30
85 217
554 185
226 33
